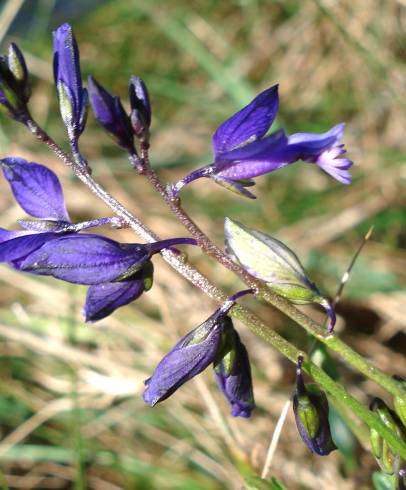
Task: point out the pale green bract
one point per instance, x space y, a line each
271 261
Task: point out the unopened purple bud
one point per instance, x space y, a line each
233 372
310 407
110 113
140 108
189 357
73 98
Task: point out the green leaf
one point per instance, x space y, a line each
257 483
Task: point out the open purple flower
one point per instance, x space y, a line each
310 407
110 113
73 99
242 150
233 372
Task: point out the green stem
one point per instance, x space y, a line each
334 343
333 388
247 317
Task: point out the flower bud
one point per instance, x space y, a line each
399 402
233 372
140 108
18 68
189 357
14 87
310 407
269 260
385 457
110 113
73 99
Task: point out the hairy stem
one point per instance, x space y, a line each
200 281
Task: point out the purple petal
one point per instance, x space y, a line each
190 356
19 247
309 146
36 188
249 124
103 299
87 259
6 235
257 158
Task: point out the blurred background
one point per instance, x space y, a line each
71 412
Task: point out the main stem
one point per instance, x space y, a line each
200 281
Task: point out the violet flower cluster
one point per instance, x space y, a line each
215 342
116 274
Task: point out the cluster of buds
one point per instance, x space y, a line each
14 87
215 342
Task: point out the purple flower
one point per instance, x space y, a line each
233 372
14 87
73 257
310 407
242 150
73 99
110 113
190 356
